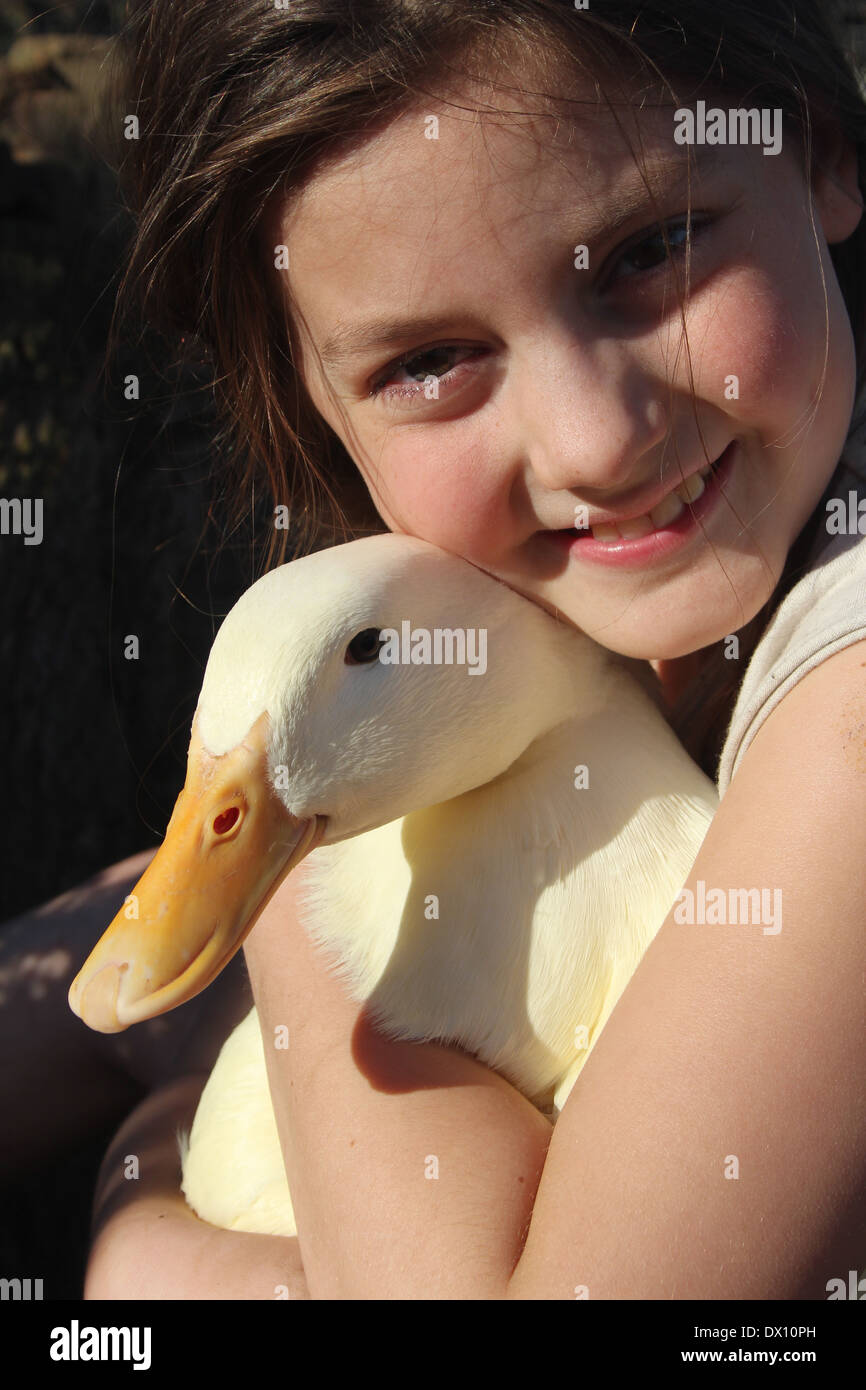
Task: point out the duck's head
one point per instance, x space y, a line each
308 730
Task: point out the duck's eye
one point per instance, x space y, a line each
364 648
225 820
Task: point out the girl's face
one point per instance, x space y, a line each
558 392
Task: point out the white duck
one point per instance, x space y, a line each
495 847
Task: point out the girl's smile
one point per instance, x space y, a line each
637 538
529 406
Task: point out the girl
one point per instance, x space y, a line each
537 276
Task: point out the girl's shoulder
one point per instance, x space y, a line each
824 611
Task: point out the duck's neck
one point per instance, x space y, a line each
567 676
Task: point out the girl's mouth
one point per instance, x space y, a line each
668 525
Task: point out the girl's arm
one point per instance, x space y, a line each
148 1244
715 1143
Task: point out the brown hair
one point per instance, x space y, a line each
239 101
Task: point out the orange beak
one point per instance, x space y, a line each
229 845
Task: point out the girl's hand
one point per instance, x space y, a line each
148 1244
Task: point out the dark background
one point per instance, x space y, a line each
93 744
93 747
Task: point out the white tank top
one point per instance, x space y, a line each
824 612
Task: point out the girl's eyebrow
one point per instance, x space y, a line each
668 177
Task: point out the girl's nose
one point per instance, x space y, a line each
598 424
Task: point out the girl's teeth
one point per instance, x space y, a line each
667 511
635 527
691 489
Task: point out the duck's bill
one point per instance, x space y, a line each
229 845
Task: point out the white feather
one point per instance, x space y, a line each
468 889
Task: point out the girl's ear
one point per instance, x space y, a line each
835 187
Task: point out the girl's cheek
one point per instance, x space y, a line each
759 349
453 501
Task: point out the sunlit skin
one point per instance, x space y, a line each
561 387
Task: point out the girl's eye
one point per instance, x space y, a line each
650 252
423 366
645 256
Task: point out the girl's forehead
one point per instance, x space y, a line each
436 156
516 124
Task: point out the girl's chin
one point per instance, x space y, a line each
650 643
645 636
680 618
